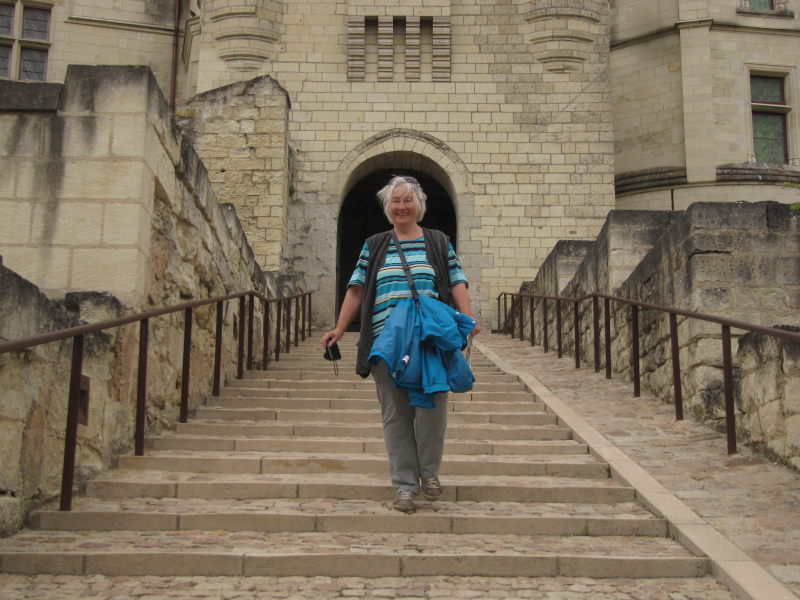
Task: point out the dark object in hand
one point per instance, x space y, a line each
332 352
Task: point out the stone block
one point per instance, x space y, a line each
124 224
102 179
115 270
68 223
106 89
129 136
46 267
721 267
15 222
81 136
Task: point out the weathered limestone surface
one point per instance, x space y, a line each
105 195
240 132
34 397
768 391
739 261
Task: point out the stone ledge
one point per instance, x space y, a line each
758 173
18 95
634 181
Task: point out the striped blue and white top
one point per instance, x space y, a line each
392 285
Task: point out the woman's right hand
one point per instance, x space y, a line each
331 337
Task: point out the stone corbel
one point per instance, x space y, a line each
562 34
245 32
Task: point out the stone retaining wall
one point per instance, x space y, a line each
740 261
107 210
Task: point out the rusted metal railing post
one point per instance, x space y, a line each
727 374
250 330
218 350
559 345
498 312
141 387
240 349
676 365
71 434
287 311
187 364
505 313
635 350
545 326
607 334
303 323
576 317
266 332
532 311
309 314
278 325
520 313
296 320
596 331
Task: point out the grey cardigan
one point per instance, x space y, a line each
436 248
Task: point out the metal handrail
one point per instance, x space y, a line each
513 320
246 315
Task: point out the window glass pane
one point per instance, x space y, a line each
765 4
767 89
5 60
769 137
33 64
6 19
35 23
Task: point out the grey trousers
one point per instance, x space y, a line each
414 437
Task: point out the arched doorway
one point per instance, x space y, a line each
361 216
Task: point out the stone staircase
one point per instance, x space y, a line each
285 474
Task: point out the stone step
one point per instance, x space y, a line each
453 404
364 394
350 416
344 554
125 483
171 514
354 445
346 374
284 462
363 384
488 432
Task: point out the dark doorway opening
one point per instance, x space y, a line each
361 216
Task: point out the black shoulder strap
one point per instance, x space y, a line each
406 268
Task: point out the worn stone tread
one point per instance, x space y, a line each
64 587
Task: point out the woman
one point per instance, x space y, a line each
414 437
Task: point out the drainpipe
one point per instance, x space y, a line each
174 69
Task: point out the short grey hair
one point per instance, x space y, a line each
404 182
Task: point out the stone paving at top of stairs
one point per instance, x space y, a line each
520 499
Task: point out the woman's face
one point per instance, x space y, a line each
402 207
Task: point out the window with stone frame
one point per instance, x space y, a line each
770 109
24 40
762 4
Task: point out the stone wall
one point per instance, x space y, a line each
108 209
768 394
240 132
512 119
739 261
598 266
34 398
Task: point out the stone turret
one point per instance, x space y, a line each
244 32
563 33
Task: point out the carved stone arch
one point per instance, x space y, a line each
407 143
369 166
